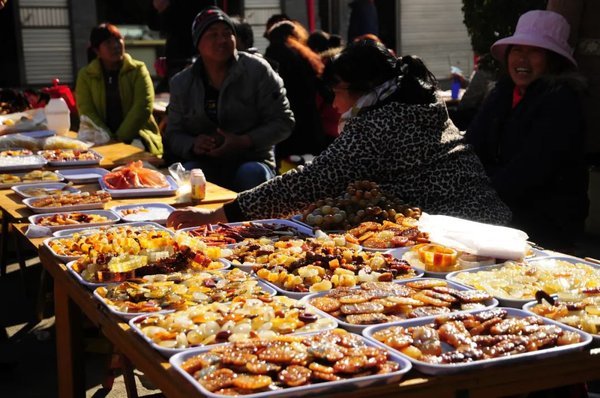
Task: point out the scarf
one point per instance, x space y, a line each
377 94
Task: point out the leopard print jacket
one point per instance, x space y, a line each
413 152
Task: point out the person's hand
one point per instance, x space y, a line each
160 5
204 144
232 145
194 216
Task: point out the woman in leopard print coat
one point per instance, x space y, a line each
396 132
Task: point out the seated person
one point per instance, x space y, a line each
529 132
115 91
396 132
227 110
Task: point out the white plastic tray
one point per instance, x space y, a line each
527 307
95 285
22 163
157 212
314 390
401 252
132 193
20 151
513 302
62 209
82 176
21 175
300 228
411 258
491 303
91 230
130 315
300 295
64 259
167 352
65 163
112 218
442 369
304 230
22 189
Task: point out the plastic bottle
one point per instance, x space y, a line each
456 82
58 115
455 89
198 186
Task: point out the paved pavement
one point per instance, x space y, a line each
27 348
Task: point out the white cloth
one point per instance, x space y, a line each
474 237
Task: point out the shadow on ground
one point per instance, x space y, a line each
28 366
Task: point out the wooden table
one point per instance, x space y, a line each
15 210
72 301
115 154
118 154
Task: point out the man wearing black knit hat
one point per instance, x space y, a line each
228 110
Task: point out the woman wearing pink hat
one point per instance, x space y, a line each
529 132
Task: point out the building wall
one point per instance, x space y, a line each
434 30
46 41
256 13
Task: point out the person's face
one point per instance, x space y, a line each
217 44
111 50
344 98
526 64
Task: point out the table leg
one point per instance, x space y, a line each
69 345
40 302
4 243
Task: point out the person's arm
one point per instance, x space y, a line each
179 141
353 156
143 101
274 109
85 102
194 216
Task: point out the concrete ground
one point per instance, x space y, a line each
28 365
27 348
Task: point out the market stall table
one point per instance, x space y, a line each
114 154
118 154
72 301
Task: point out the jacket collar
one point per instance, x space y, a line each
94 68
234 71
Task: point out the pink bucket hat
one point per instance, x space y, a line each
538 28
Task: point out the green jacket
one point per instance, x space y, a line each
137 97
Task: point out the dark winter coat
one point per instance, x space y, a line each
300 82
534 156
412 151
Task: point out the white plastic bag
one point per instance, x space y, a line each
89 131
474 237
181 175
